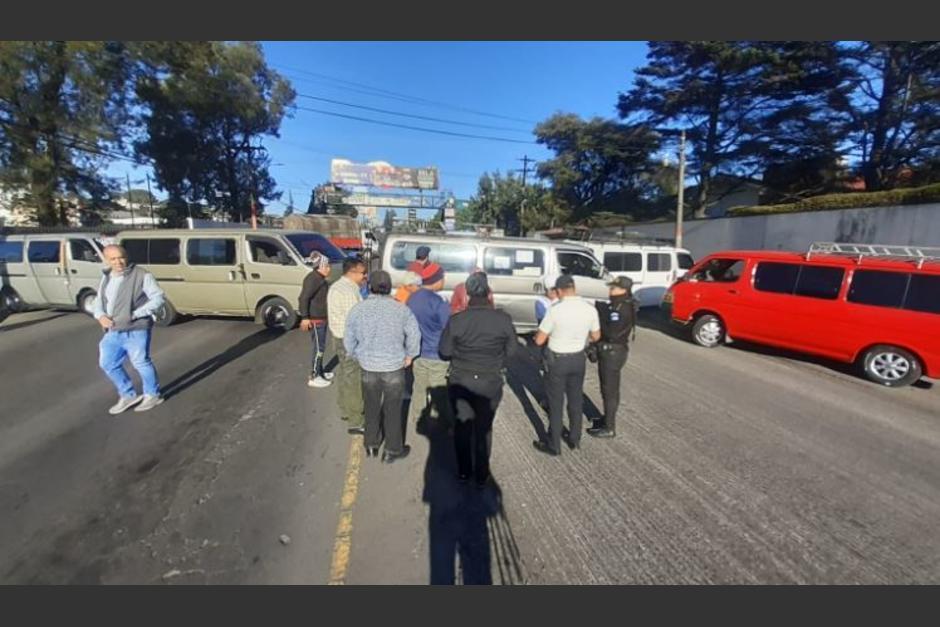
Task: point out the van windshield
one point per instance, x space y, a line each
306 243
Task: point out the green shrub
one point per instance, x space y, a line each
854 200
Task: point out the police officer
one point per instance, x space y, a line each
618 322
566 328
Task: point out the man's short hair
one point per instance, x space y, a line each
477 286
380 283
351 263
564 282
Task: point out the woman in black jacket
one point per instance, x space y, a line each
478 342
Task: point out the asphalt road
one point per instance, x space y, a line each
731 465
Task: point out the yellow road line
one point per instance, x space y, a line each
343 539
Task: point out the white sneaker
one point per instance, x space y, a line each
329 375
319 382
149 402
125 403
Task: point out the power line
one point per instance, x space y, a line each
412 115
416 128
377 91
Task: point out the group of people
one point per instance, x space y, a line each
458 353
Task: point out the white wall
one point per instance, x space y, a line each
906 226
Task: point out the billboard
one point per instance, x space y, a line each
382 174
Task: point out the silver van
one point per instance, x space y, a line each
229 272
653 267
50 270
516 267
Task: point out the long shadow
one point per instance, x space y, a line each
208 367
29 323
524 377
466 525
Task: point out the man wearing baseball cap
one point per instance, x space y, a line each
566 328
383 336
618 323
430 371
421 260
313 312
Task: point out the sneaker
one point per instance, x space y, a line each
149 402
125 403
329 375
319 382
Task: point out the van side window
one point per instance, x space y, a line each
779 278
577 264
658 262
875 287
720 271
923 293
452 257
11 252
500 261
820 282
210 252
685 261
44 251
82 250
268 251
623 262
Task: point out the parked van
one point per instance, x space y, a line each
516 267
229 272
50 270
652 267
877 306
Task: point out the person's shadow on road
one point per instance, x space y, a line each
208 367
465 524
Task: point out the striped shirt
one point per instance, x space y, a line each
344 294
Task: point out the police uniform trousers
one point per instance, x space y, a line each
611 358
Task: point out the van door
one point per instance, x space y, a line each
722 286
270 269
658 276
589 279
214 278
15 273
84 266
516 275
47 263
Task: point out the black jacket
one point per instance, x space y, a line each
313 296
618 319
478 339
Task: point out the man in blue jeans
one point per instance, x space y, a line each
128 297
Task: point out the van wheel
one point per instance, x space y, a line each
891 366
708 331
276 313
86 302
166 315
12 301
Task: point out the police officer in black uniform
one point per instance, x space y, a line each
618 324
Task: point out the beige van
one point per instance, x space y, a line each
50 270
516 267
229 272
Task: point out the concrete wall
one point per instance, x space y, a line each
906 225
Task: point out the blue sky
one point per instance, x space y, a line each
526 81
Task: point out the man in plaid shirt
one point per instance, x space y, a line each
345 294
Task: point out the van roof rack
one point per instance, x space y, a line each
889 252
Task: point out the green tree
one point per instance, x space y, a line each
711 89
62 110
507 203
894 111
207 106
596 161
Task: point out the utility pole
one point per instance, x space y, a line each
525 171
150 197
525 167
130 206
681 190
